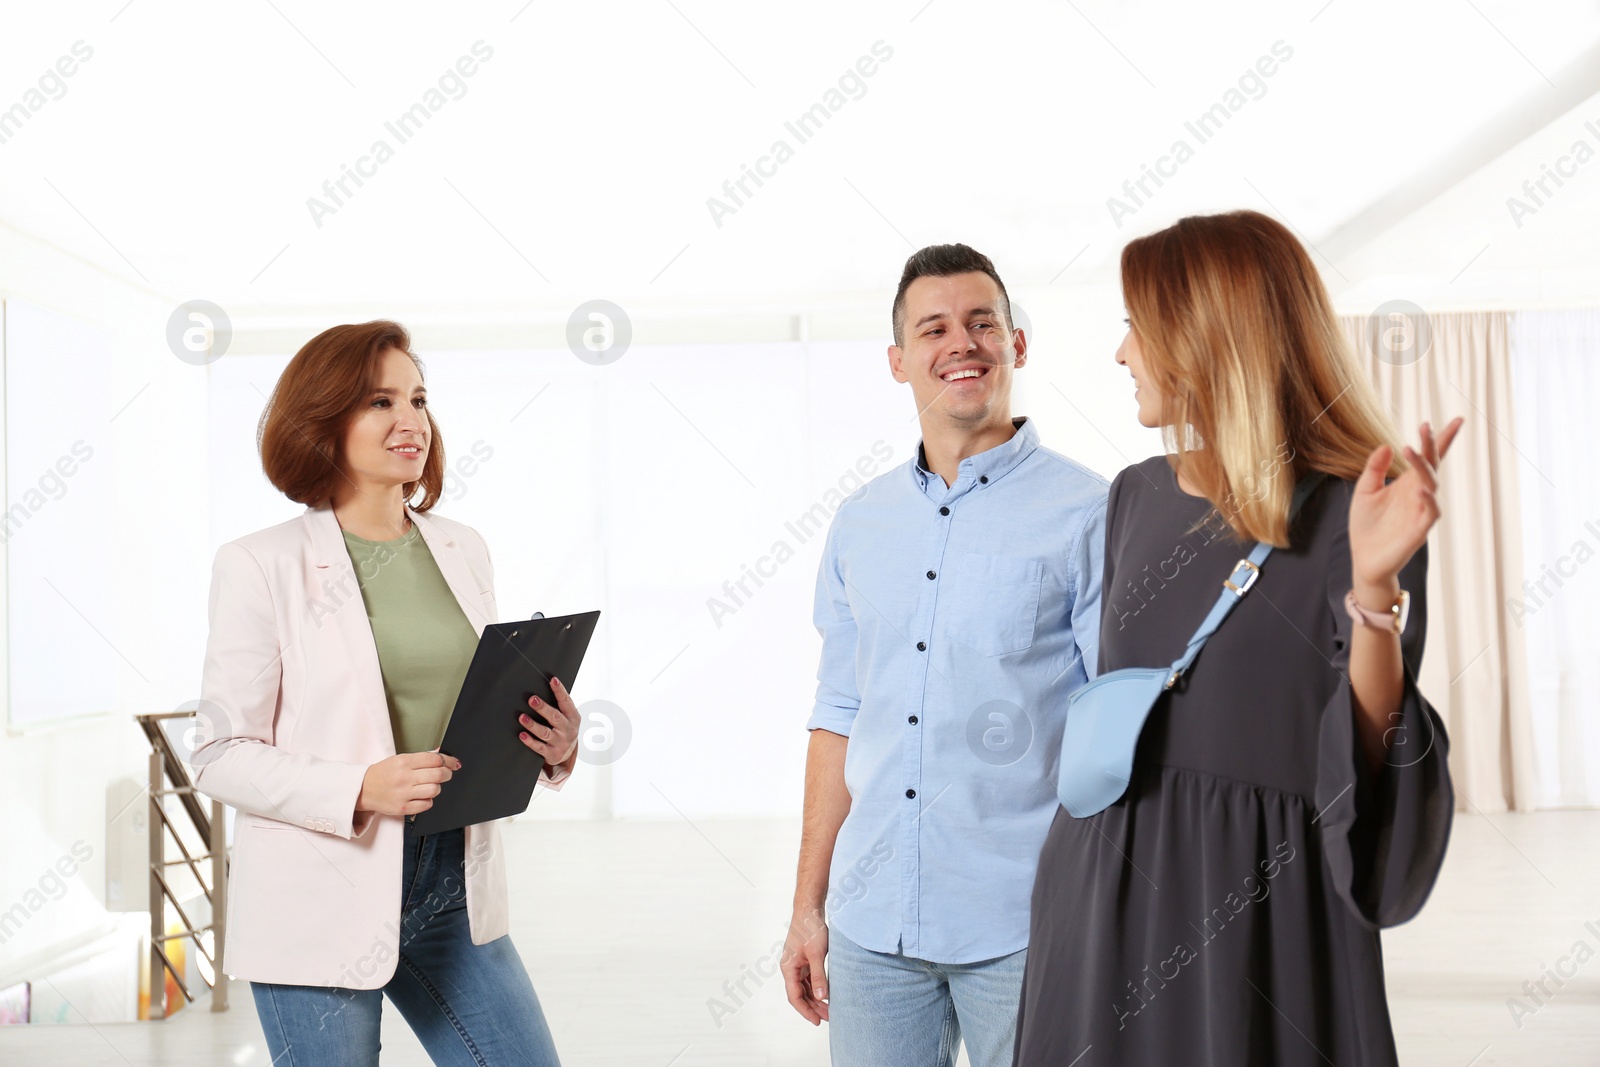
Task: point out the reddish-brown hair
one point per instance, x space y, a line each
301 432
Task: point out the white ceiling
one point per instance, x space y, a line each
579 160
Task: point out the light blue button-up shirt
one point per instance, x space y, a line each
955 620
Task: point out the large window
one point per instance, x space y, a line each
685 491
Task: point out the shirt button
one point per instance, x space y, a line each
944 511
931 576
912 720
922 646
911 794
984 479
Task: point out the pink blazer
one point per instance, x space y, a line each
292 713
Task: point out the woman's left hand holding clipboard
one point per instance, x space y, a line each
556 741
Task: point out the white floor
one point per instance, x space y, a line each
639 925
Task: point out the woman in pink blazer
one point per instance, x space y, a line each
332 637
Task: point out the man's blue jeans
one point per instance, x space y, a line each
897 1011
469 1005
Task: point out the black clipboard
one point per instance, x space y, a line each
513 661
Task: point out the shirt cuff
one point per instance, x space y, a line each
552 777
833 719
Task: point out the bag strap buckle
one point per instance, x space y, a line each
1239 589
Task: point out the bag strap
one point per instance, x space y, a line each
1235 586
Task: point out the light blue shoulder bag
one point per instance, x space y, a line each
1106 716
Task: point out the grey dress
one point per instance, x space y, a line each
1225 911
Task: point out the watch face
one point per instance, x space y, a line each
1402 611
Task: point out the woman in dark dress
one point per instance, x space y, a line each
1290 794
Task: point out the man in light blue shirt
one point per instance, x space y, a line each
958 600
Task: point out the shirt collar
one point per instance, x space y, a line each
985 468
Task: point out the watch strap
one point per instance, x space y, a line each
1391 621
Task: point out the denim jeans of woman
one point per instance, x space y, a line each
469 1005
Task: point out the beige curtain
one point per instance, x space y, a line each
1474 668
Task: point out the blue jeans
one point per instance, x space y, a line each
469 1005
890 1010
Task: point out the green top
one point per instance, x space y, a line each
425 642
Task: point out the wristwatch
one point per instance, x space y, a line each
1392 621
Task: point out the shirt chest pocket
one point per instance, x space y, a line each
991 602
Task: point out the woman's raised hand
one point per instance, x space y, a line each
1388 523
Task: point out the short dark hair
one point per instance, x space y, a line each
941 261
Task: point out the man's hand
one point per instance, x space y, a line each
804 952
806 948
406 783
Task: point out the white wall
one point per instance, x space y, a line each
53 779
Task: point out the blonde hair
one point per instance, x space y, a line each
1241 341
